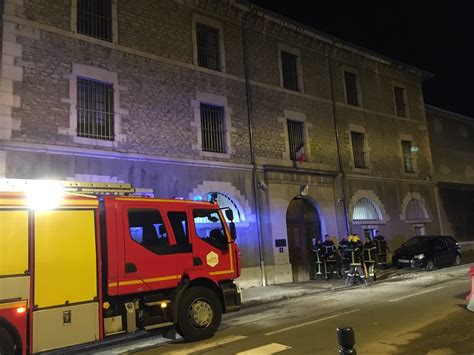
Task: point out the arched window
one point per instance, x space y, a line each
225 201
415 211
365 210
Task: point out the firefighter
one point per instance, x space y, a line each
331 258
381 250
318 251
345 259
369 258
356 272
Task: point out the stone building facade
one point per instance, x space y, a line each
300 133
452 145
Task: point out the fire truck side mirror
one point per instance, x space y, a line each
233 231
229 214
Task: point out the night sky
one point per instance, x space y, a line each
437 37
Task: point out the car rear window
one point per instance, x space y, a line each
416 241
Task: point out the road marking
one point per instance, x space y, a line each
205 346
272 348
416 294
311 322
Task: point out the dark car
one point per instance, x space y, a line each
428 252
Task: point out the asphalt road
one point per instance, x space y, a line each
411 314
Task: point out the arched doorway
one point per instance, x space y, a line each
302 225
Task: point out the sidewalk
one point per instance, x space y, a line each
258 295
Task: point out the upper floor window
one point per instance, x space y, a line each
296 139
352 92
407 156
213 128
289 67
400 104
208 52
94 18
358 149
95 109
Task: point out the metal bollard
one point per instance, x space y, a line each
346 340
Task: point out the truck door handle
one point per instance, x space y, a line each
130 267
197 261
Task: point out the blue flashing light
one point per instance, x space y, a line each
197 198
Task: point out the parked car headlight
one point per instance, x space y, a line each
419 256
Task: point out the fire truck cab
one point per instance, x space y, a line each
92 267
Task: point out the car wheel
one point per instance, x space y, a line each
429 265
199 314
7 346
457 260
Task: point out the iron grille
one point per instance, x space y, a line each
94 18
407 158
212 129
350 80
295 137
208 46
95 109
358 149
364 210
400 101
289 66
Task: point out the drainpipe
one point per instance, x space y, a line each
336 130
245 18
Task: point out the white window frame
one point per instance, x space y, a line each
295 51
358 86
298 117
216 100
88 72
114 23
214 24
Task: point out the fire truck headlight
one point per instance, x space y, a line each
44 195
21 310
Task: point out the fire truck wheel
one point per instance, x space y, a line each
199 314
7 346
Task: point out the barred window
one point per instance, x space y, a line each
352 96
365 210
94 18
95 109
295 138
213 129
289 66
400 104
407 157
208 47
358 149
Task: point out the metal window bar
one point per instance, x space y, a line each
208 47
289 65
407 157
95 109
350 80
364 210
213 129
400 101
358 149
94 18
295 137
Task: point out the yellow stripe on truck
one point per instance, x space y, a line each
13 242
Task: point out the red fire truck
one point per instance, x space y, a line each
83 262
